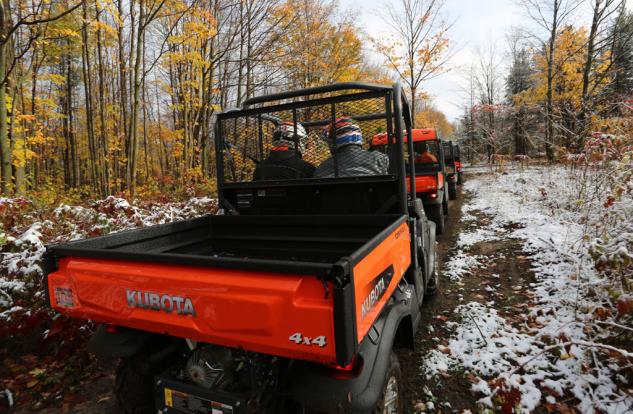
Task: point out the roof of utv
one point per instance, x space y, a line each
317 90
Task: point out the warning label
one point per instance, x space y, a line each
188 403
64 297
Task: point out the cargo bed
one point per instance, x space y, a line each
239 281
280 243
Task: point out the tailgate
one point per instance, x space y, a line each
273 313
426 183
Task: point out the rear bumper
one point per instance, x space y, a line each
239 309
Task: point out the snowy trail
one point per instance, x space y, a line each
515 318
509 330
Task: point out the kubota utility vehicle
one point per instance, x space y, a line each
451 170
430 172
293 300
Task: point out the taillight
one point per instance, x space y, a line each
111 329
432 195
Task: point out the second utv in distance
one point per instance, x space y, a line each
431 185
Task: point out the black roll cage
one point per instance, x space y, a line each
456 151
397 114
448 145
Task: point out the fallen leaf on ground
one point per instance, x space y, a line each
37 372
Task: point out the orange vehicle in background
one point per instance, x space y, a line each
430 172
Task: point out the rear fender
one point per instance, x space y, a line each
429 242
315 387
432 247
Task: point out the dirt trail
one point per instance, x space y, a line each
504 278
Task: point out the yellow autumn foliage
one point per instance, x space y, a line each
313 48
431 117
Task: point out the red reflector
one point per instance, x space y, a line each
345 368
351 370
111 329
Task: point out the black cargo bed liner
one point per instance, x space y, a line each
294 244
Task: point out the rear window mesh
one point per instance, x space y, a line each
250 153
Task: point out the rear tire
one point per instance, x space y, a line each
134 386
434 280
452 191
436 215
391 399
460 180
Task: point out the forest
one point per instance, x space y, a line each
118 97
564 83
107 113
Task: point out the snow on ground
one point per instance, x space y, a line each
467 239
462 264
556 225
23 244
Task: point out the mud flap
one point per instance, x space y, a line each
122 343
315 386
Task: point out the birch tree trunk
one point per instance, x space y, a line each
5 145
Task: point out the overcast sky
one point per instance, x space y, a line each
477 25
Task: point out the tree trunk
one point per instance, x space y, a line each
549 105
87 75
145 146
104 153
123 128
582 117
68 124
5 145
413 103
133 131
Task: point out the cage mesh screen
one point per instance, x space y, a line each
448 151
248 142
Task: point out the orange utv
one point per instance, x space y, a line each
292 299
430 184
